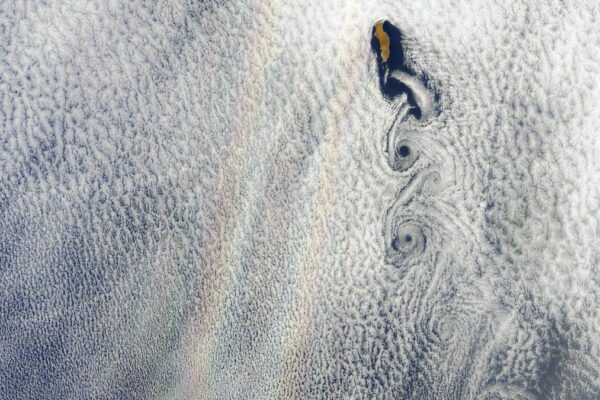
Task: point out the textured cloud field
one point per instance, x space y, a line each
226 200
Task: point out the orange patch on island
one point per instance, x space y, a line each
384 41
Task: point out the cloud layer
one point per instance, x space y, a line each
203 200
